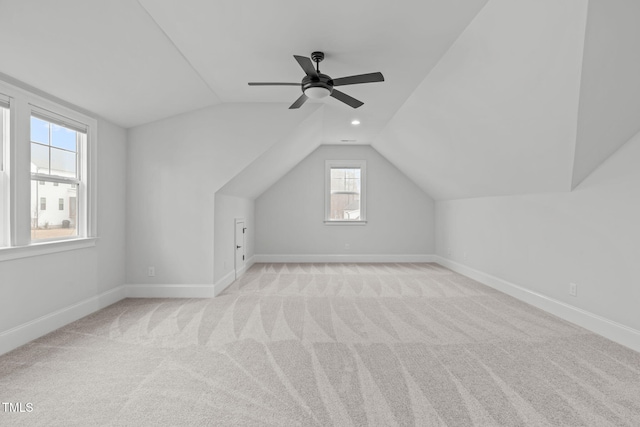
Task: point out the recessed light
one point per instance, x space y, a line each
355 122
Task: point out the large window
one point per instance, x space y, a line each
345 191
47 175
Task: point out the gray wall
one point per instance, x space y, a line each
543 242
290 214
175 167
227 209
39 285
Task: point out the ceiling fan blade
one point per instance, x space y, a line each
272 84
303 98
361 78
350 101
306 65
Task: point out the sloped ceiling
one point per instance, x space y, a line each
498 114
274 163
480 98
233 42
108 57
610 91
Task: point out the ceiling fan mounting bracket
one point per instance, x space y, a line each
317 56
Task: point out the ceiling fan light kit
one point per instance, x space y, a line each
317 92
317 85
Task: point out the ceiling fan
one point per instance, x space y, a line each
317 85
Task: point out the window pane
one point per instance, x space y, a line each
4 132
63 138
60 157
39 159
345 194
4 202
39 131
63 163
53 223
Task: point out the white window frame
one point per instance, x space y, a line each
17 158
81 171
356 164
5 133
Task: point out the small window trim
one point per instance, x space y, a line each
362 165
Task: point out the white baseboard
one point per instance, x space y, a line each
170 291
22 334
614 331
350 258
247 265
223 283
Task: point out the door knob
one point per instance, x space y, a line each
238 247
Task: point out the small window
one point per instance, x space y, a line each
43 203
345 191
60 204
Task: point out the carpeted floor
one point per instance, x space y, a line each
325 344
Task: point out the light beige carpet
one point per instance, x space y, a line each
325 344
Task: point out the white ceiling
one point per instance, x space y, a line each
481 98
233 42
134 62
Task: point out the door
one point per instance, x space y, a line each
240 246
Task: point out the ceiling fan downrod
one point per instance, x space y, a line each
317 57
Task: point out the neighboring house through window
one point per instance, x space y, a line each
56 146
345 197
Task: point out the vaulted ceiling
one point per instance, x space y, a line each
481 97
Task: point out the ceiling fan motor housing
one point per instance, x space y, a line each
323 81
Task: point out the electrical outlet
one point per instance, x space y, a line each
573 289
152 272
347 246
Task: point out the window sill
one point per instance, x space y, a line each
45 248
345 222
